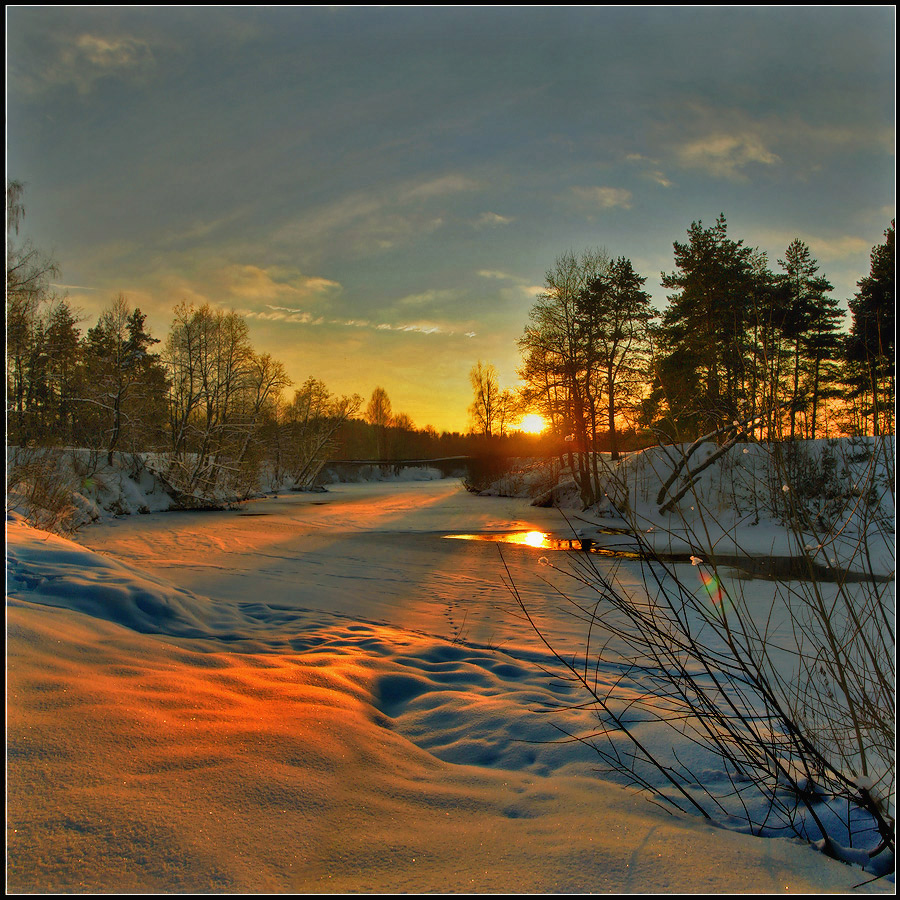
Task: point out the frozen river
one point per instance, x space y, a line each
377 552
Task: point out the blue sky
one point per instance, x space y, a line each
380 190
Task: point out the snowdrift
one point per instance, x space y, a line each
52 570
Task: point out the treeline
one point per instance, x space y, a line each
212 410
739 350
361 438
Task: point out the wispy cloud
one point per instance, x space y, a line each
84 59
71 287
430 297
451 183
516 288
495 273
651 169
305 317
491 220
367 222
603 197
281 290
726 155
253 283
824 249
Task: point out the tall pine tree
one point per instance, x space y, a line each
870 346
810 328
703 366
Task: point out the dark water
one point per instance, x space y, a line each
776 568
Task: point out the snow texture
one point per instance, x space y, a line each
317 692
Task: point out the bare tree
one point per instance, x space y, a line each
558 353
378 415
211 367
28 274
484 410
310 423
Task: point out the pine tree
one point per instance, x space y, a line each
126 383
810 326
65 372
703 366
870 346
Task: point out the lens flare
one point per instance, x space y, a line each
713 587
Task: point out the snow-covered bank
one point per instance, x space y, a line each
320 693
63 490
806 498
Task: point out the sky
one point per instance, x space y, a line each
380 191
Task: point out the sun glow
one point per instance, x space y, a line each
534 538
533 424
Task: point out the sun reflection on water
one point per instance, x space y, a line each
538 539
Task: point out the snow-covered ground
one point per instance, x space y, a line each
320 692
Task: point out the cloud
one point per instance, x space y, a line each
283 314
451 183
368 222
420 329
84 59
491 220
428 298
274 291
517 288
651 168
71 287
726 155
494 273
253 283
305 317
604 197
823 249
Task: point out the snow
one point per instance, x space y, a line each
317 692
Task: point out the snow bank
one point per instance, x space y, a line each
809 498
64 490
806 498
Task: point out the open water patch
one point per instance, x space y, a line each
542 540
775 568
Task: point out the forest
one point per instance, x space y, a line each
741 350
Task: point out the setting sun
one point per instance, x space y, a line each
533 424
